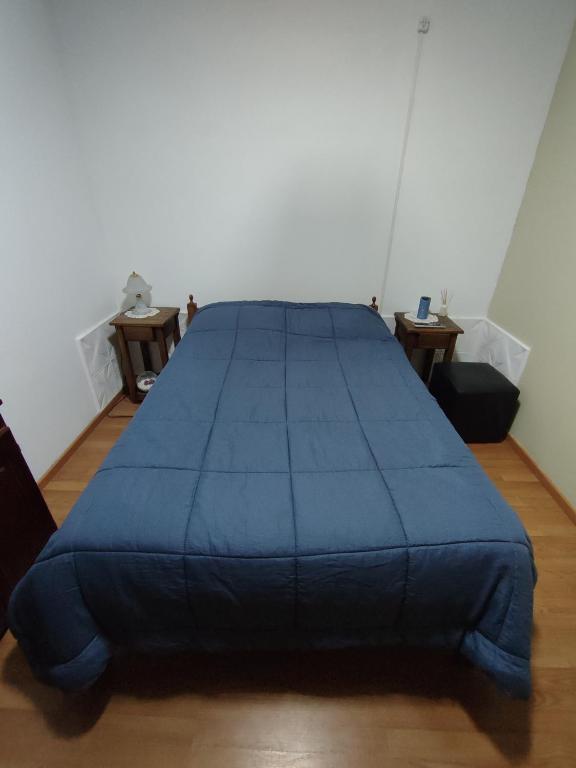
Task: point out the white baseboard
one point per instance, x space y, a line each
482 341
485 342
101 359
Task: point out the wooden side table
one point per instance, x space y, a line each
430 339
156 328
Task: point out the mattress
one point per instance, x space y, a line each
289 482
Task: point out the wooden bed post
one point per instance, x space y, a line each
191 308
374 306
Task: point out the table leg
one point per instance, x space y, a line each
409 343
428 362
146 355
161 339
449 351
127 366
176 330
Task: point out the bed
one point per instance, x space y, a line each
289 482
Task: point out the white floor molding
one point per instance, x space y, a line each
101 359
485 342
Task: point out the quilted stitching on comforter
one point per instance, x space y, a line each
288 482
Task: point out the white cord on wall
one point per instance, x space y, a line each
423 28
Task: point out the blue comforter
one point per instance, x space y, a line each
288 482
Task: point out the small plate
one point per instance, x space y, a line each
151 312
413 317
145 381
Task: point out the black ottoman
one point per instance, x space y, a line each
479 401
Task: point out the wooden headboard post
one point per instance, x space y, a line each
191 308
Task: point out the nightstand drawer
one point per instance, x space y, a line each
138 334
433 341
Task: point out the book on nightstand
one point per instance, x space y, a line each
437 324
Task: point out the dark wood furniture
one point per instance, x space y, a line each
430 339
25 521
192 307
144 330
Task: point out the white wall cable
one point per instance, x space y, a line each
423 28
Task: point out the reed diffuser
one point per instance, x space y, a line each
445 300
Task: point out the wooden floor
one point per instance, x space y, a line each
310 710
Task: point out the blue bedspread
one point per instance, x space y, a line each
288 482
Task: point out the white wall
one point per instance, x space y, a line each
53 281
487 78
241 148
250 149
236 145
534 296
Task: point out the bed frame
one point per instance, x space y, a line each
192 307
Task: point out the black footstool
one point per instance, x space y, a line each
479 401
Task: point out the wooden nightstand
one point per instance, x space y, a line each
418 337
156 328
